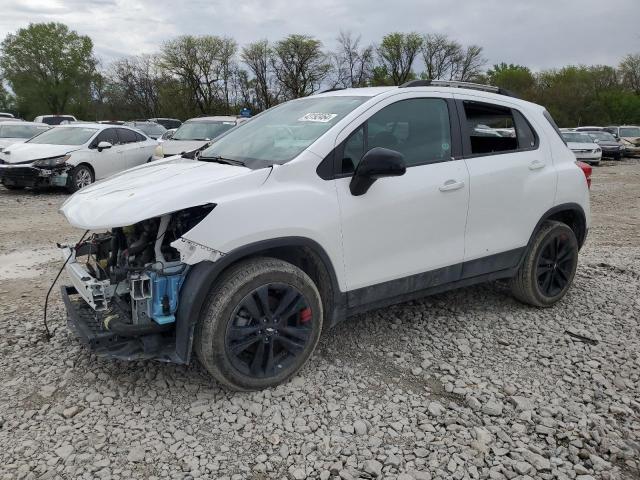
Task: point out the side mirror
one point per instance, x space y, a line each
103 146
376 163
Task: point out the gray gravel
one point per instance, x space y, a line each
464 385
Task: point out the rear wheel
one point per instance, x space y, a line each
80 177
549 266
13 187
261 324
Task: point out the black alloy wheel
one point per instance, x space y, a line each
555 265
268 330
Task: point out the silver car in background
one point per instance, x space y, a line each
17 131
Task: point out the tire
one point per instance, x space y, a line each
13 187
543 285
240 359
79 177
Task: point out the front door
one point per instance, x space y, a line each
408 230
109 160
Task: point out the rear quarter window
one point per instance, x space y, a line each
554 125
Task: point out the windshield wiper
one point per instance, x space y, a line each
228 161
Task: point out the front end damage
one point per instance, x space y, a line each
33 175
126 285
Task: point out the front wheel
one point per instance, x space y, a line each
549 266
261 323
13 187
79 177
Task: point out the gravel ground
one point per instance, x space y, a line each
468 384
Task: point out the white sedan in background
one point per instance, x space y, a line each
17 131
583 147
74 156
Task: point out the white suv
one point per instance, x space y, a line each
318 209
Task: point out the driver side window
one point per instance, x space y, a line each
418 128
108 135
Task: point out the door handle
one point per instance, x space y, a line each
536 165
450 185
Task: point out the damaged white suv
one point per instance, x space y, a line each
317 209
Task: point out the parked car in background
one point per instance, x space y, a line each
151 129
55 119
167 123
629 135
167 135
320 208
6 115
194 134
13 131
74 156
112 122
588 129
611 148
583 147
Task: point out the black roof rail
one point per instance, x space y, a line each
334 89
457 84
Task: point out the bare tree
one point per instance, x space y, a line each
630 72
257 57
137 79
469 65
299 65
354 64
397 52
440 55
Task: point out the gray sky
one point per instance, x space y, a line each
537 33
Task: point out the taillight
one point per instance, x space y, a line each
586 169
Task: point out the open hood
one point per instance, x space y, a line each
155 189
26 152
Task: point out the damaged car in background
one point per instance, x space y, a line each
74 156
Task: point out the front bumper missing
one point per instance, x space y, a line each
95 292
87 325
30 176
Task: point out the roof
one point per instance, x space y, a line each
216 118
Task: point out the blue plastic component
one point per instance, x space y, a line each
165 290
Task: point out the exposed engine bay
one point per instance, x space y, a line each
131 276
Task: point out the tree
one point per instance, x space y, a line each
630 72
48 66
440 55
138 79
204 66
515 78
257 57
6 99
354 64
299 65
469 65
397 52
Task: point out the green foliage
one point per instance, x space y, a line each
49 68
515 78
396 54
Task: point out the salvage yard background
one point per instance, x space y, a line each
466 384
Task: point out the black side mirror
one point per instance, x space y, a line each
376 163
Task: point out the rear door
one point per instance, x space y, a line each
512 182
137 149
109 160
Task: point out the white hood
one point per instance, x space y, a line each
156 188
5 142
176 147
582 146
25 152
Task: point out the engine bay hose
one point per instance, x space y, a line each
114 324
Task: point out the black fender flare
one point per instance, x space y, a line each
201 276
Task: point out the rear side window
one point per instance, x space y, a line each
494 129
140 137
553 124
418 128
127 136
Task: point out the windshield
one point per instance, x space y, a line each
150 128
65 136
629 131
20 131
202 130
602 136
577 137
283 132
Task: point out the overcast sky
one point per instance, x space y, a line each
537 33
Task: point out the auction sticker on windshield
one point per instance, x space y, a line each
318 117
